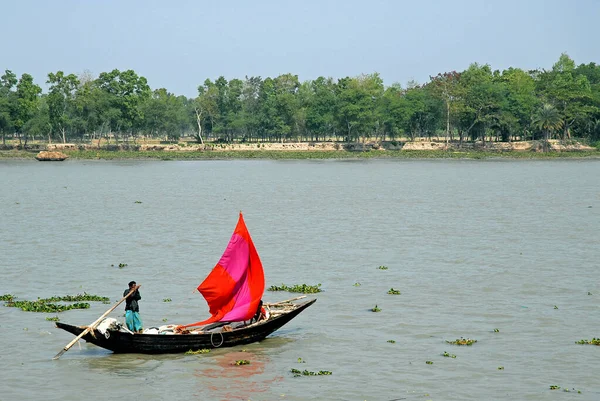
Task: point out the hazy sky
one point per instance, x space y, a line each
178 44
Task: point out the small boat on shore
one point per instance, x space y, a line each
46 156
233 291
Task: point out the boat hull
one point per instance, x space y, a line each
122 342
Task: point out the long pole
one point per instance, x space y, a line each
93 325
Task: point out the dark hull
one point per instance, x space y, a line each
121 342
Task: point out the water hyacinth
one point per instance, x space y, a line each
305 372
197 352
302 288
462 341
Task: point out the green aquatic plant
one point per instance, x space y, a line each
391 341
167 300
305 372
555 307
53 319
42 306
48 304
593 341
554 387
164 319
357 284
462 341
302 288
496 331
500 367
76 298
382 267
197 352
122 265
376 309
589 293
242 362
447 355
393 292
137 202
429 362
300 360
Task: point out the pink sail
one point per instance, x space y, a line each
235 286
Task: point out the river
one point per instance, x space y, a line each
473 246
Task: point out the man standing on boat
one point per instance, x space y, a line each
132 309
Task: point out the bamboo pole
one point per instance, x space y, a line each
286 301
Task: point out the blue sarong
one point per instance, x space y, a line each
133 320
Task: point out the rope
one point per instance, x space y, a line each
211 340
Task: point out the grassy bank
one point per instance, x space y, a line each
301 155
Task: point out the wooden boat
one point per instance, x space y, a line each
46 156
233 291
124 342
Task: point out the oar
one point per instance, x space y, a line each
91 326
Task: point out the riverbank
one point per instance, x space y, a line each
324 150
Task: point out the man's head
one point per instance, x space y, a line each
131 284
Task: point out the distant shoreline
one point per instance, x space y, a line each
303 155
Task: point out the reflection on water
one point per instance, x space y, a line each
124 364
224 380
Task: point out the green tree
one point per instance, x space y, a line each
61 102
8 81
548 120
27 96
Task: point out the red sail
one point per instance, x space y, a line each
235 286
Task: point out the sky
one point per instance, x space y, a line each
178 44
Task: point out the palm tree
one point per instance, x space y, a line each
548 120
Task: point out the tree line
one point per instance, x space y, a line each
476 104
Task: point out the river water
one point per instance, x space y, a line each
473 246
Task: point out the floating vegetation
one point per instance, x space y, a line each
137 202
242 362
393 292
555 307
382 267
43 306
49 305
167 300
429 362
165 319
122 265
391 341
496 331
462 341
589 293
500 367
593 341
300 360
53 319
197 352
76 298
303 288
357 284
376 309
305 372
447 355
